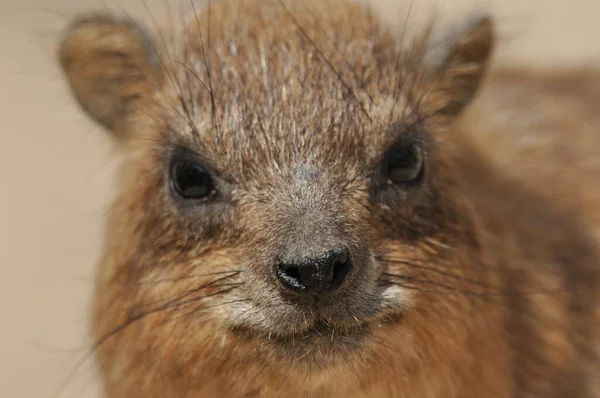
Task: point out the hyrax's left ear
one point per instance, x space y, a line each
458 78
110 66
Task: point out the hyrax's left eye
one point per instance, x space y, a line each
405 163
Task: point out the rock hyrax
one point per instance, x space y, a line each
309 208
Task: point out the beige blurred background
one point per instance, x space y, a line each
56 175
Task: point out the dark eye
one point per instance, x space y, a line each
190 180
405 163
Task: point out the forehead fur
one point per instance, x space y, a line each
272 79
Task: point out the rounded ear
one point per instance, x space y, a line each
458 77
110 66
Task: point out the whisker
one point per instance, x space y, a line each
473 265
398 58
183 278
471 293
158 55
327 61
193 74
206 308
432 268
196 299
132 320
173 280
192 291
362 84
213 102
178 301
453 293
167 143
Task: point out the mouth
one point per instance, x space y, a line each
320 344
323 330
326 338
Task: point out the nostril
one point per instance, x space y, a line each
341 269
293 273
290 276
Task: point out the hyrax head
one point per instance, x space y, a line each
286 177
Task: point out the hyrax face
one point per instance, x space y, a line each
287 190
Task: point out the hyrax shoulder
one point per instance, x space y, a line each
309 208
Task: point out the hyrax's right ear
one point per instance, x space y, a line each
461 72
110 66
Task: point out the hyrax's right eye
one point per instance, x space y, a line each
190 180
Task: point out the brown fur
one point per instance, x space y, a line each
481 281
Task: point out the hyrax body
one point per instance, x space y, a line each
310 209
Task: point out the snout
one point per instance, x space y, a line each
311 260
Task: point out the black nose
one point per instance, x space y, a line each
318 275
